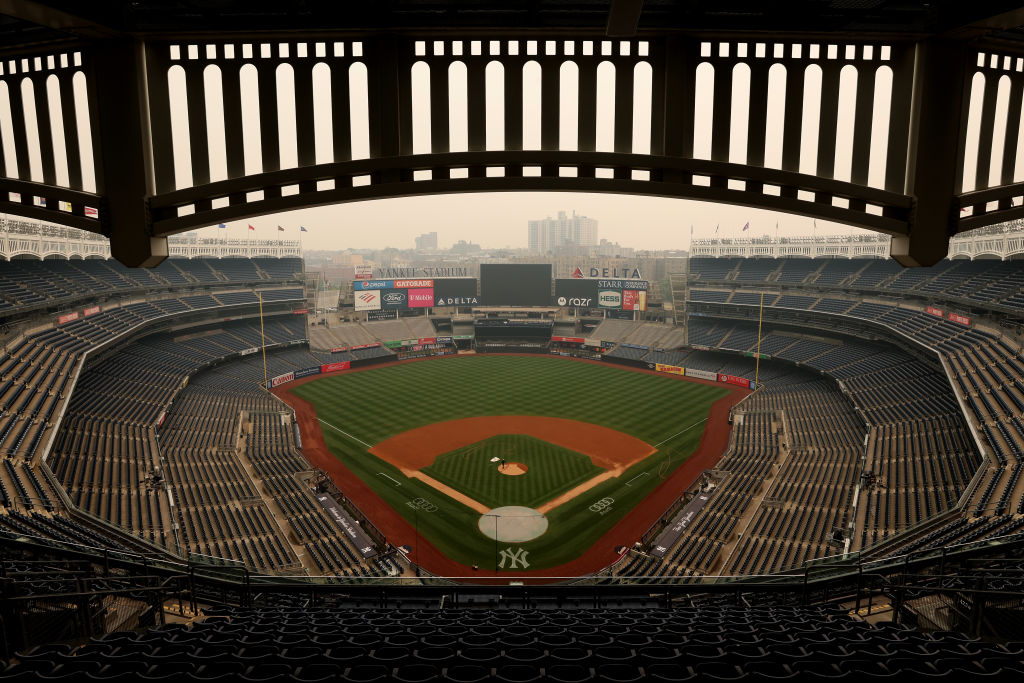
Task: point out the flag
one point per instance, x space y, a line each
251 228
91 212
280 229
746 226
302 229
222 226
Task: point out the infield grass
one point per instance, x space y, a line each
374 405
551 470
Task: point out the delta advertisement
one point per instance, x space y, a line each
620 295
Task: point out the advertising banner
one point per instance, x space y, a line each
609 298
455 292
427 340
92 310
624 284
421 298
593 342
414 284
635 346
463 336
281 379
634 300
670 369
306 372
961 319
368 300
67 317
937 312
443 340
394 344
301 311
394 298
702 374
363 285
332 367
570 340
339 349
248 352
364 272
732 379
161 418
364 346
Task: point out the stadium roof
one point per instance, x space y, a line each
26 22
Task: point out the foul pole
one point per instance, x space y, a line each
263 340
757 356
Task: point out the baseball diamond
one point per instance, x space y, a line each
597 442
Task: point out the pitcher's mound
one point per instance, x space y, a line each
513 468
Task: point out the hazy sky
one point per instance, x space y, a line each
500 219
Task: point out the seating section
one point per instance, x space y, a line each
29 283
705 642
921 456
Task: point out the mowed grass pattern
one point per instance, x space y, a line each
376 404
551 470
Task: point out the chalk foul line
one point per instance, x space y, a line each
343 432
700 422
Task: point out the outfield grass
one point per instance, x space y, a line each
551 470
373 405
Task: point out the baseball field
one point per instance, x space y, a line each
509 463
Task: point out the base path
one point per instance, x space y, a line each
713 442
418 448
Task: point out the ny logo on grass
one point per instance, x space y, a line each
514 557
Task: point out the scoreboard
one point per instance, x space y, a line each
515 284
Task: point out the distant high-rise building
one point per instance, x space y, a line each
427 242
550 233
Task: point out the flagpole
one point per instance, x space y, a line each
263 340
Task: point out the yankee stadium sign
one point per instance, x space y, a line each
423 271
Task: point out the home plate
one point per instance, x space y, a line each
513 524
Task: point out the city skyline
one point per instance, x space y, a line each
496 220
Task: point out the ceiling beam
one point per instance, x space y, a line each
623 18
41 14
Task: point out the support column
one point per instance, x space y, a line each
123 145
937 117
